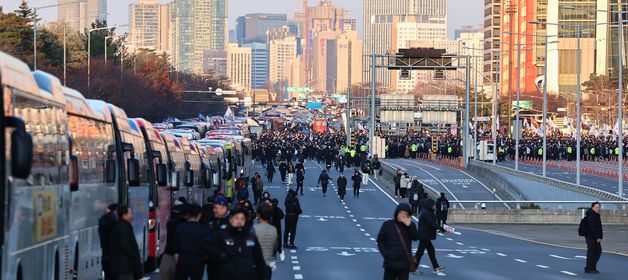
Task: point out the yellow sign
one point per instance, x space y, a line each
45 210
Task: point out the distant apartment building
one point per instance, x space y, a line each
281 52
80 16
149 25
215 63
344 62
259 65
492 36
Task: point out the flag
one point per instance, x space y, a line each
200 117
551 123
594 132
526 125
616 128
534 123
229 113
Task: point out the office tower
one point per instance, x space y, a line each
379 17
239 67
148 25
253 27
196 26
80 16
216 63
492 36
280 53
259 65
344 62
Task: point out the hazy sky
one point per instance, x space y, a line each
461 12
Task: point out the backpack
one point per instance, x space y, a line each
582 228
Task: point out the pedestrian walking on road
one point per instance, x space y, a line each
237 250
270 171
376 167
293 210
404 184
278 215
300 180
416 195
125 260
342 186
290 173
105 224
394 242
323 180
366 170
217 224
189 253
594 235
427 233
357 183
267 235
442 208
258 189
283 169
397 181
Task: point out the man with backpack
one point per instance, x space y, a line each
591 228
323 179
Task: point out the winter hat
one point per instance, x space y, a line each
221 200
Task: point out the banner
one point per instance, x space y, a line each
45 211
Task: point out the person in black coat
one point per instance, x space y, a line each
270 171
416 195
594 235
189 255
300 180
394 242
323 180
167 266
341 164
105 224
357 182
293 210
278 215
283 169
125 260
238 251
427 233
342 185
442 208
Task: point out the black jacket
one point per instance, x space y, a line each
389 242
397 180
105 224
323 179
427 221
293 207
594 225
357 180
442 207
300 176
376 165
239 253
189 246
171 234
124 252
342 185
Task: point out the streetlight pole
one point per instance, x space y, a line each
578 118
620 116
35 27
475 107
465 137
495 106
517 126
373 84
89 49
65 72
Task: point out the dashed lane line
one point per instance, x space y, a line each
521 261
568 273
542 266
501 254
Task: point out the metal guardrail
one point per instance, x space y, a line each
602 195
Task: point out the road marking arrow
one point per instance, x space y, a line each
345 254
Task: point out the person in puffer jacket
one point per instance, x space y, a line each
394 242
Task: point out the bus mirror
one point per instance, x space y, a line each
110 171
21 148
175 181
189 178
133 166
162 175
74 176
215 178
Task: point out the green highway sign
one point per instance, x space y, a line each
524 104
299 89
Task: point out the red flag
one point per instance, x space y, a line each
534 123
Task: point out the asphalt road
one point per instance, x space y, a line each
598 182
456 184
337 240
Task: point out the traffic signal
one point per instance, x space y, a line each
352 144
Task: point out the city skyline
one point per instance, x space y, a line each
460 12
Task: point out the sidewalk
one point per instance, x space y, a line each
615 240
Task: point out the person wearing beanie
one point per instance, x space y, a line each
394 242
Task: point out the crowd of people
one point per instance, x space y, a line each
226 240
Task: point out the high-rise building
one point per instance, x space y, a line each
280 54
259 64
148 25
239 67
492 36
196 26
252 27
80 16
408 31
344 62
379 17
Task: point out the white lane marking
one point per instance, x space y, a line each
372 239
521 261
145 278
449 239
489 190
457 233
460 243
346 207
426 165
348 211
296 268
298 276
362 229
440 274
568 273
358 225
560 257
440 234
542 266
454 256
501 254
351 216
581 257
293 257
367 234
442 184
295 262
424 266
293 251
354 220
